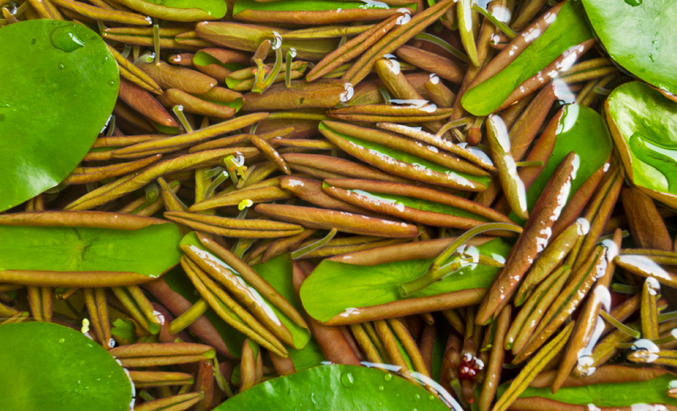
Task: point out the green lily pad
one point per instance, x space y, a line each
180 10
644 128
148 251
626 394
278 273
335 387
49 367
335 287
59 87
640 36
568 30
582 131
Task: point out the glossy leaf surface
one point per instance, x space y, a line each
624 394
149 251
568 30
640 36
278 273
582 131
335 287
335 387
49 367
59 86
644 128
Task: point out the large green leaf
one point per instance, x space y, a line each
639 35
608 395
59 85
278 273
582 131
644 127
335 387
309 5
49 367
148 251
568 30
335 287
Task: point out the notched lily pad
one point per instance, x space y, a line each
148 251
59 87
640 36
49 367
335 387
644 128
335 287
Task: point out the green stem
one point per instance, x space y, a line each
260 87
529 164
314 246
437 270
453 124
156 42
223 176
183 321
448 47
629 331
291 53
178 110
385 95
501 26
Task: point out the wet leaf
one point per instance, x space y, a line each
640 36
582 131
568 30
335 387
53 111
148 251
55 368
644 129
618 394
335 287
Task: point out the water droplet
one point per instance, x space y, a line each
431 397
105 59
61 66
62 340
417 397
634 3
112 82
347 380
64 39
381 388
646 122
388 377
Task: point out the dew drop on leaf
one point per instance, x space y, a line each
64 39
347 380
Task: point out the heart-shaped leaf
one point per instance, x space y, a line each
148 251
640 36
59 86
335 387
335 287
49 367
644 128
568 30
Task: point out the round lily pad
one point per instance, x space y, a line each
335 387
641 36
59 85
643 124
49 367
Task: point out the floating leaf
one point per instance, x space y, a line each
613 395
49 367
581 130
335 387
644 129
640 36
278 273
59 87
335 287
149 251
568 30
